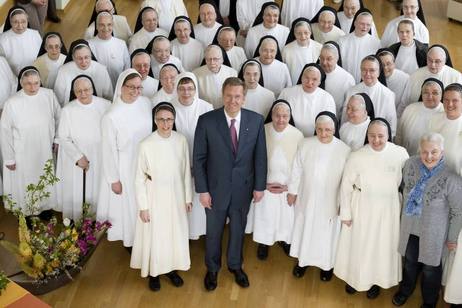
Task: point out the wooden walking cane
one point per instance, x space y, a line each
84 185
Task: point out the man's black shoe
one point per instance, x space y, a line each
210 281
240 277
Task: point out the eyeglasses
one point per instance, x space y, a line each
133 88
165 121
186 89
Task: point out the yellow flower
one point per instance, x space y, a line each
55 263
24 235
25 250
39 261
49 269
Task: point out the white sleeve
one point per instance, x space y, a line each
65 138
224 8
110 152
141 178
60 87
6 135
296 173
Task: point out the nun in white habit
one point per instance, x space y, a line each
189 107
50 58
212 74
27 133
109 50
293 9
79 135
246 12
300 48
184 45
226 39
326 26
14 39
168 74
314 189
338 80
141 62
346 14
81 61
359 111
257 98
8 82
308 98
208 24
168 10
268 22
160 50
415 121
146 28
358 44
273 217
127 122
274 71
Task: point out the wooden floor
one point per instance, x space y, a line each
107 280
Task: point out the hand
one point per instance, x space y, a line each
206 200
451 245
243 32
291 199
257 196
188 207
83 163
144 215
55 148
117 187
11 167
347 222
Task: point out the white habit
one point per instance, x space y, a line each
293 9
397 84
48 69
322 37
296 56
276 76
390 34
345 24
156 66
191 54
205 35
167 10
8 81
406 59
161 96
142 38
354 134
120 29
236 56
279 32
338 82
246 12
259 100
150 86
453 291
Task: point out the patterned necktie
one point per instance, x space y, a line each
233 132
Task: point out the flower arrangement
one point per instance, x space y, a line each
3 282
48 249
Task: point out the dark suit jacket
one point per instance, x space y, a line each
229 180
420 52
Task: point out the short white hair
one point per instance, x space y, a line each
432 137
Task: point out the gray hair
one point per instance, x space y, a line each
331 48
280 105
432 137
302 23
360 98
433 83
324 119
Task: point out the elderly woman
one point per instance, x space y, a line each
367 259
209 22
272 219
300 49
168 74
16 35
141 62
257 98
160 50
163 191
184 45
126 123
167 10
326 26
50 58
346 13
308 98
416 117
27 128
430 221
146 28
314 189
79 136
360 112
226 39
81 61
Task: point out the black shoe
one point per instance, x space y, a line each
46 215
54 18
373 292
299 271
210 281
154 283
399 299
240 277
285 247
349 289
176 280
129 249
432 306
262 252
326 275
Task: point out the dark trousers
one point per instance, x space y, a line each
431 275
216 220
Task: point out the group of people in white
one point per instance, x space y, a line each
363 134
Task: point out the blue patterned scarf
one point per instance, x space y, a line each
414 202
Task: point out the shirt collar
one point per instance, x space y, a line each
228 118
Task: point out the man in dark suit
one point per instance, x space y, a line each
229 167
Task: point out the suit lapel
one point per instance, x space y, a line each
222 127
243 133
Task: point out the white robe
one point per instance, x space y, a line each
79 134
382 98
163 187
167 10
453 291
246 12
406 59
161 96
210 84
397 84
369 197
123 127
316 226
279 32
191 54
28 126
276 76
8 81
293 9
236 56
354 134
142 38
296 56
48 69
272 219
390 34
322 37
338 82
113 54
150 86
413 124
20 50
185 122
345 24
259 100
156 66
70 70
205 35
354 49
306 106
121 29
